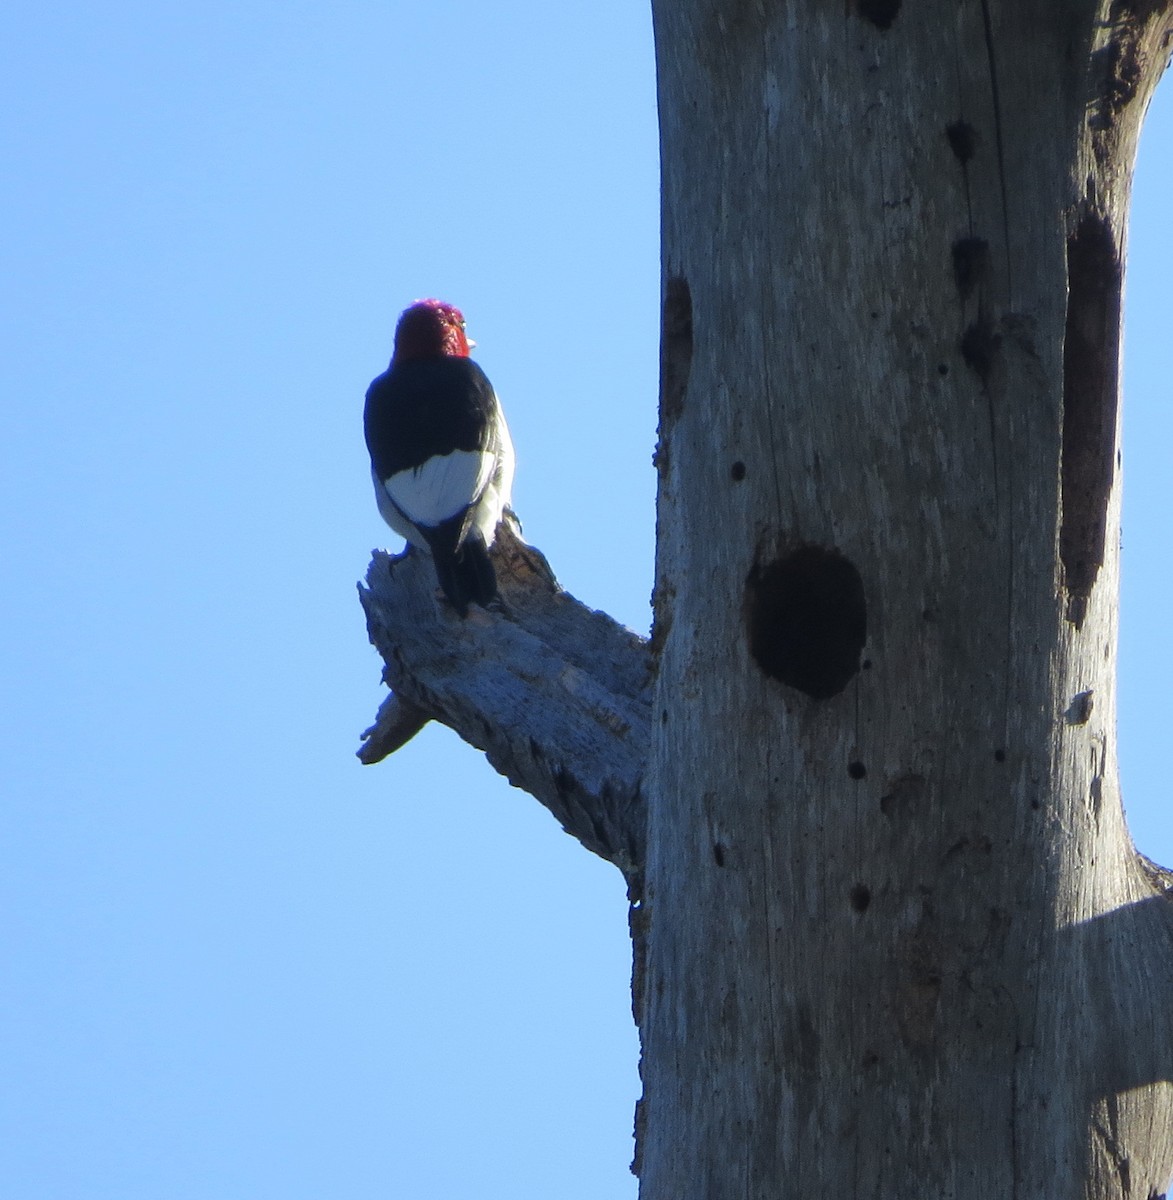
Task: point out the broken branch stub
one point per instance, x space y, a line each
558 696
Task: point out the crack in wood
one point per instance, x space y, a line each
1090 370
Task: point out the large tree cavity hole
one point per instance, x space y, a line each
881 13
806 619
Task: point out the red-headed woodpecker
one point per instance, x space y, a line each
441 457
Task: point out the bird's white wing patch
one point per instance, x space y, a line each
441 487
499 487
393 516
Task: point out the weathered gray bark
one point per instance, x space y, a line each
556 694
892 938
898 942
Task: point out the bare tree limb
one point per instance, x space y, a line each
556 694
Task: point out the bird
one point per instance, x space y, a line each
442 460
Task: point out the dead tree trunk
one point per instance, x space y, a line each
892 937
899 942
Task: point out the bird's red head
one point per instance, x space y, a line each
431 329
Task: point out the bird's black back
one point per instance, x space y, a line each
424 407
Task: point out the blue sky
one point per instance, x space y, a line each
236 963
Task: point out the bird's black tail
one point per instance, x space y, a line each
465 571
